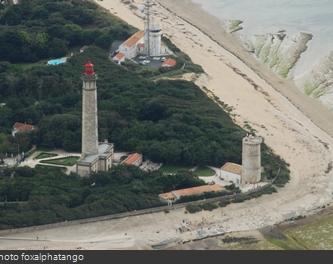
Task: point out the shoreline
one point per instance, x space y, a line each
317 112
259 235
286 129
309 107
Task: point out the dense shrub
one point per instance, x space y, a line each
39 29
209 206
192 209
48 195
168 121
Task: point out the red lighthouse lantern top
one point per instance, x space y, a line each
89 68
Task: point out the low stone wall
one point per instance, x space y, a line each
228 198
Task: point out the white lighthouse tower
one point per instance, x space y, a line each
153 32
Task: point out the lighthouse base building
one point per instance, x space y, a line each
95 156
102 161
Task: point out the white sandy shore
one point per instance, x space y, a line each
286 129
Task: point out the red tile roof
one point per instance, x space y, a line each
169 63
192 191
131 159
120 56
133 40
23 127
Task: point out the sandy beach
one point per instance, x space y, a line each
297 128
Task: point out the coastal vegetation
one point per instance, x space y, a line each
39 29
168 121
171 122
47 195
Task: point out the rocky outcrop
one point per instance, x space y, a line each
279 51
319 82
234 25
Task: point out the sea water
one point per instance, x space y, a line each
270 16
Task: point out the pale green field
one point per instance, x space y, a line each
317 235
313 233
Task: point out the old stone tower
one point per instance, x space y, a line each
251 156
89 111
95 156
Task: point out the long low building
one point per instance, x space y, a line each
134 159
195 191
130 48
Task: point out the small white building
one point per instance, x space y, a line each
231 172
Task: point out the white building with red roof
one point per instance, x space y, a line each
22 128
195 191
134 159
130 48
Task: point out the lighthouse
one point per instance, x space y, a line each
89 111
95 156
152 33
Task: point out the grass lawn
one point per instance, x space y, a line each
68 161
171 169
45 155
204 172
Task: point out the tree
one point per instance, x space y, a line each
11 17
58 48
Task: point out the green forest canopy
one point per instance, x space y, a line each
39 29
48 195
168 121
